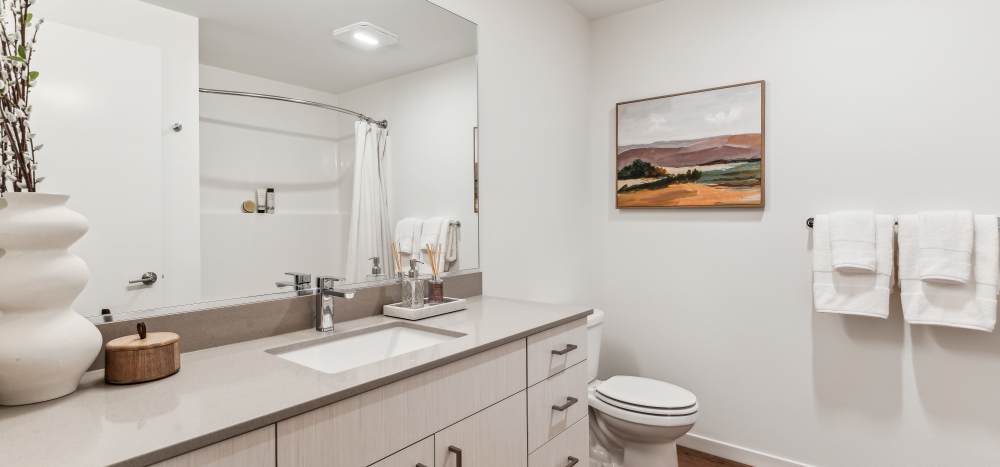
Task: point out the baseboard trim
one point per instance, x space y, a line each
736 453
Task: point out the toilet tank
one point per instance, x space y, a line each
595 327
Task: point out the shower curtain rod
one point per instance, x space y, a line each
380 123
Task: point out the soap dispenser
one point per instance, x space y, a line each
412 292
376 269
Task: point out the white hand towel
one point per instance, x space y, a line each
852 241
431 232
945 246
852 293
452 245
407 234
972 305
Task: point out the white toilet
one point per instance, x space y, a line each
640 417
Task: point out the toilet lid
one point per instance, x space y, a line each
646 393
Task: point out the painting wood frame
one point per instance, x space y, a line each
755 205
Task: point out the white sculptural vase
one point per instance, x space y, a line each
45 346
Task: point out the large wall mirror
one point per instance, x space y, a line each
164 119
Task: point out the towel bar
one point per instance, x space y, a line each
812 220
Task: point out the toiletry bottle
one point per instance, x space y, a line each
270 200
376 268
413 287
261 200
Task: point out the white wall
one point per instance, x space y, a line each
886 105
174 38
533 66
251 143
431 114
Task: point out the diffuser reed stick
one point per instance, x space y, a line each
396 258
432 256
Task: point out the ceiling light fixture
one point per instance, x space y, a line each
365 35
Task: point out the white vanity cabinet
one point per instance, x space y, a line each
420 454
479 411
363 429
494 437
254 449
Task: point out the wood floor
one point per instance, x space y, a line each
691 458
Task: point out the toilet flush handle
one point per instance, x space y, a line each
572 461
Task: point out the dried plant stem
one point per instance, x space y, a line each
17 44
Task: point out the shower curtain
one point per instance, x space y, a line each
370 233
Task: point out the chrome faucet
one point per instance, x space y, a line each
301 281
325 294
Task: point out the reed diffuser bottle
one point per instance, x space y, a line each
436 284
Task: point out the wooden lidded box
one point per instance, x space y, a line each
142 357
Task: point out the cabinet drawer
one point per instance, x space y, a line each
365 428
419 453
254 449
570 448
494 437
557 349
568 391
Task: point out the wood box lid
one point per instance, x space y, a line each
134 342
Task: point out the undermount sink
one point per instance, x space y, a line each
364 346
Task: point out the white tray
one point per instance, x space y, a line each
449 305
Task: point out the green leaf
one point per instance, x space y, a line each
33 76
27 18
22 52
14 58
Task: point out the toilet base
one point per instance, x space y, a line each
619 443
651 454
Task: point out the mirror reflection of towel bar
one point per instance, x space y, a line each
812 221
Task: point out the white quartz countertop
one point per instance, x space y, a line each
225 391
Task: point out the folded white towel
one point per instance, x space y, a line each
852 241
407 234
945 246
852 293
972 305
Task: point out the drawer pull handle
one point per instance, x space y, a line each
572 461
569 348
458 455
569 403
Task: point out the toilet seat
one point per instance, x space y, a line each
644 401
648 410
638 392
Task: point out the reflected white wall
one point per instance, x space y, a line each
249 143
431 115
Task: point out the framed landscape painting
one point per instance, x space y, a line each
696 149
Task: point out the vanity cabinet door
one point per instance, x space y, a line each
495 437
421 453
358 431
254 449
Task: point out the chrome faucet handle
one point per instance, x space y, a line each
300 277
300 281
327 282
